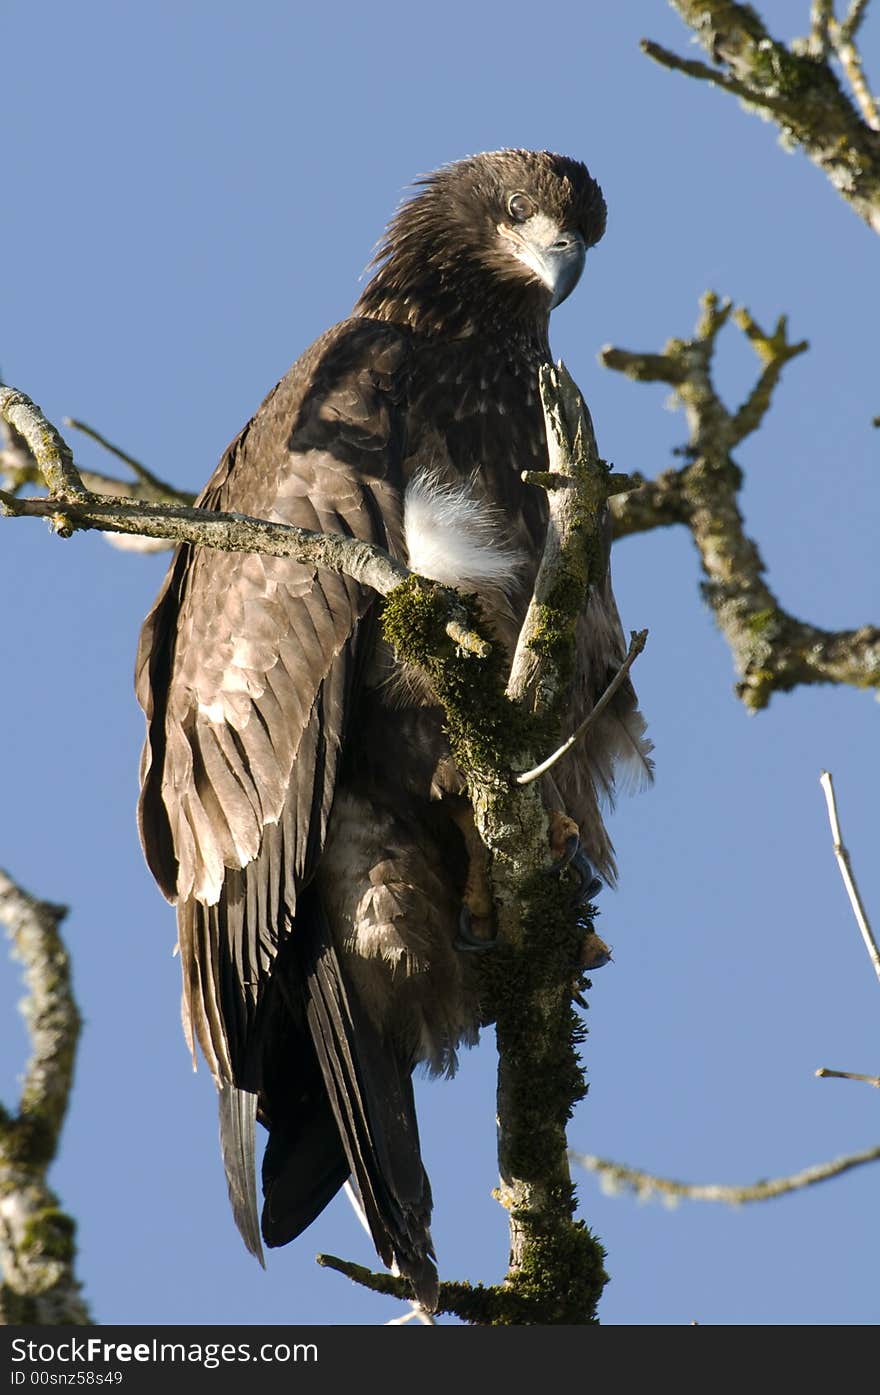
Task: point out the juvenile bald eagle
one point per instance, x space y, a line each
299 803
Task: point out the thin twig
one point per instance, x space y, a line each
692 67
821 15
856 13
846 872
851 62
616 1177
159 486
638 640
823 1073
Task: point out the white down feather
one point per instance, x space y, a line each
456 538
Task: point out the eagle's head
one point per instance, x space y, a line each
488 244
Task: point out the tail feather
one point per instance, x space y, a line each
370 1093
304 1166
337 1099
238 1113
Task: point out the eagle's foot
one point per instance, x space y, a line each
595 954
475 932
476 922
565 844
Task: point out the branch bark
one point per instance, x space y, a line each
37 1249
773 650
795 86
618 1177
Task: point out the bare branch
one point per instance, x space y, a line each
851 61
823 1073
856 13
50 451
821 16
37 1250
692 67
638 640
656 503
773 650
846 872
795 86
618 1177
774 352
155 488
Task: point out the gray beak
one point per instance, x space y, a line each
555 255
564 262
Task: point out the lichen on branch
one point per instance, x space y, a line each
795 85
37 1238
773 651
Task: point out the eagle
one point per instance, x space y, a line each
299 802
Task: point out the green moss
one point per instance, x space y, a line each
486 731
30 1142
50 1234
18 1309
762 622
526 986
561 1279
528 989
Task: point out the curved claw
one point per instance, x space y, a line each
588 883
466 940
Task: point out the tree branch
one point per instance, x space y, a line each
796 87
78 510
50 451
37 1250
617 1177
153 486
638 640
823 1073
773 651
846 872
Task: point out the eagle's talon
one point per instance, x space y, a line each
466 940
573 856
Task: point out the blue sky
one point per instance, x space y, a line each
191 193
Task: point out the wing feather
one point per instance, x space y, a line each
245 673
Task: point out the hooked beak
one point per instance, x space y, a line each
563 263
555 255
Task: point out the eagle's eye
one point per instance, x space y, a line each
520 207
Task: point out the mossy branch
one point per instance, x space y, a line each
796 86
498 727
773 651
37 1249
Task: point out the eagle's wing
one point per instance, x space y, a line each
245 671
